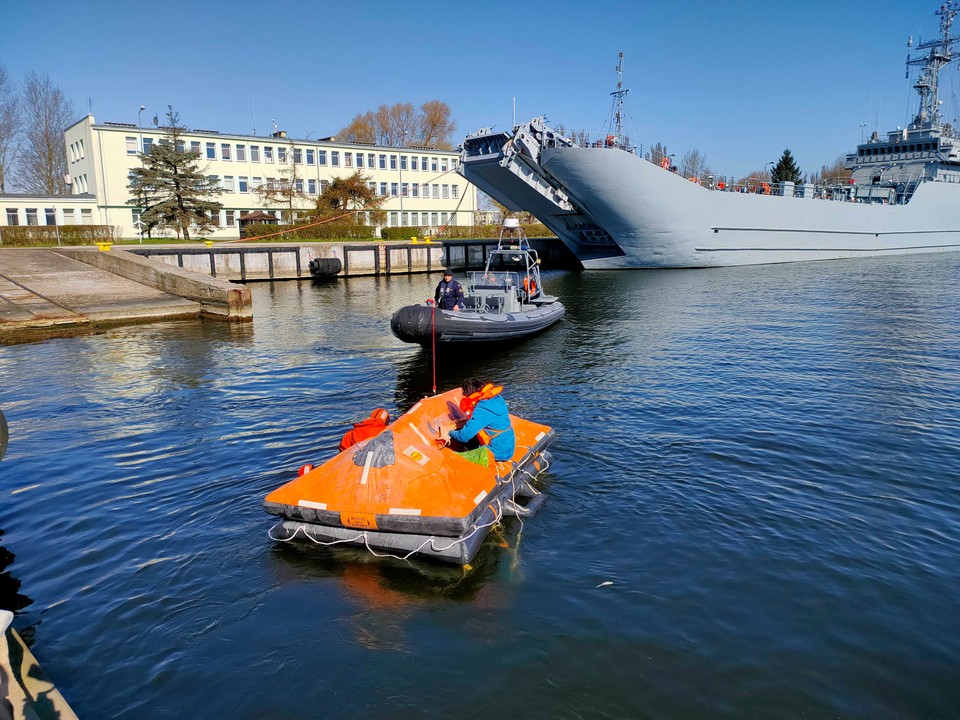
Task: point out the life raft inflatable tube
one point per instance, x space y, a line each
401 494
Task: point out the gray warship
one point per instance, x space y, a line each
615 206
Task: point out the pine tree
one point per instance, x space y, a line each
171 186
786 170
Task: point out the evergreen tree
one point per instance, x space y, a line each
171 186
350 193
786 170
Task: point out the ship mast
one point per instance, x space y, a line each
619 94
940 55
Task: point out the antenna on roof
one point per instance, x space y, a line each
253 101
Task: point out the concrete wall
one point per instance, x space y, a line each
218 297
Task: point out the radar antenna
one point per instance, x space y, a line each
939 56
619 94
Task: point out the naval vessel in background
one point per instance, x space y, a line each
614 207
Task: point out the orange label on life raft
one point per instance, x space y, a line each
366 521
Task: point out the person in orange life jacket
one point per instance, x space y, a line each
449 293
372 426
488 420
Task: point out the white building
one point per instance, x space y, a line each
421 185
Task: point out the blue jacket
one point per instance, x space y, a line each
490 415
449 294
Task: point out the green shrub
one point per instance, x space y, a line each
400 233
337 230
41 235
474 232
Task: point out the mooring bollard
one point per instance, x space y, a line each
208 243
104 246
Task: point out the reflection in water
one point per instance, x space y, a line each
763 461
10 596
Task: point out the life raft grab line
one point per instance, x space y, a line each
431 541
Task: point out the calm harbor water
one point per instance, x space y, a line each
765 463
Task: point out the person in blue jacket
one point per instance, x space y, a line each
487 420
449 293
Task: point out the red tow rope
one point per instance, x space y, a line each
433 341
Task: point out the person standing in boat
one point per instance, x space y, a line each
449 293
488 420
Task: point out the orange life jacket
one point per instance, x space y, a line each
529 286
371 427
469 402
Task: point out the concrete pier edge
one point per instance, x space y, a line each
218 298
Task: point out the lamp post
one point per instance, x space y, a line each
403 142
139 222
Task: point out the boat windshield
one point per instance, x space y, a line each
493 280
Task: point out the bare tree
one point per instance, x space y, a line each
694 164
9 128
43 157
402 123
436 126
833 173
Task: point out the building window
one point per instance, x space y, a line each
312 187
147 143
32 216
404 219
231 222
423 163
371 161
443 218
281 154
373 187
335 158
181 146
454 191
453 163
414 163
446 192
131 146
256 182
403 162
310 156
383 188
80 149
242 182
50 216
299 185
225 153
394 219
324 184
86 216
348 160
241 153
404 189
443 164
297 156
383 162
436 192
393 162
433 164
227 184
195 147
68 218
13 216
359 160
211 151
254 153
267 154
415 190
433 220
321 157
393 189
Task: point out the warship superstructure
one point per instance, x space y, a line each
616 206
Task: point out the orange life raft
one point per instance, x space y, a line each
400 493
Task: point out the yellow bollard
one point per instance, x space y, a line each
414 241
428 241
208 243
104 246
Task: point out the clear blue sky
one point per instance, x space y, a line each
740 81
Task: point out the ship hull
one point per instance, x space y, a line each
661 220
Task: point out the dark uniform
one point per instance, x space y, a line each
449 294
